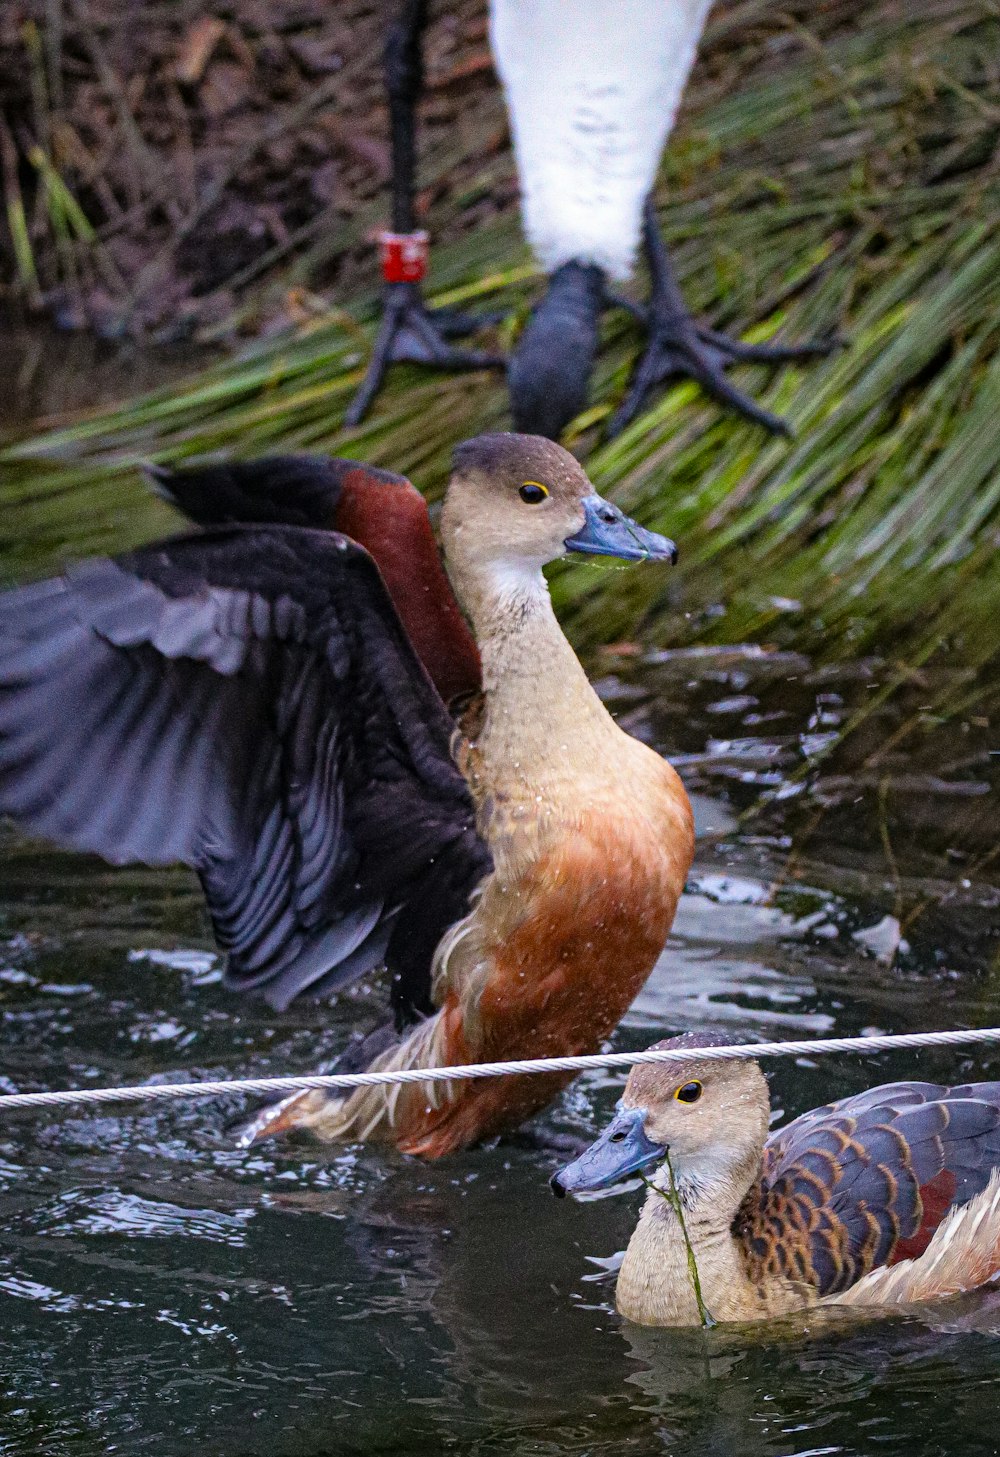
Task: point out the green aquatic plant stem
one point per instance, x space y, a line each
673 1198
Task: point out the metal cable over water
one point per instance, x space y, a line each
345 1082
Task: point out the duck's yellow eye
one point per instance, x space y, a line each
688 1093
533 492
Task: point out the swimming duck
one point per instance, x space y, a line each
246 701
888 1197
592 90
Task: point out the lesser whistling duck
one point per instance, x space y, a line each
247 702
888 1197
592 90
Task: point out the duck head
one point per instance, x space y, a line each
516 502
711 1117
550 368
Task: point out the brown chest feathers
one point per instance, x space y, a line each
561 939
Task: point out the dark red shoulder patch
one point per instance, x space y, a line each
936 1198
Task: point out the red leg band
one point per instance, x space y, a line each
403 256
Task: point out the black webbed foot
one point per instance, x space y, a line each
679 346
411 332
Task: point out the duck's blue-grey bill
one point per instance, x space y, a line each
622 1149
609 532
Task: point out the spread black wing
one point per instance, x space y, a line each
246 702
292 490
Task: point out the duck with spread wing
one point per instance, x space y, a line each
258 701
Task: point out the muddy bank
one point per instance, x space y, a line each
168 158
173 168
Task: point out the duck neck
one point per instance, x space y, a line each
542 716
655 1286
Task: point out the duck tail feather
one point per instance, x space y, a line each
314 1106
298 1110
372 1112
963 1255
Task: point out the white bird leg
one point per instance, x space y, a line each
592 88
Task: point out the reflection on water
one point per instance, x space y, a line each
161 1291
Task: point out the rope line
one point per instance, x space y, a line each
345 1082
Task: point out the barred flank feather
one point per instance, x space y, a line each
963 1255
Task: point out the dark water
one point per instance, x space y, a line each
161 1292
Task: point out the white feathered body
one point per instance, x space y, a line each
592 88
